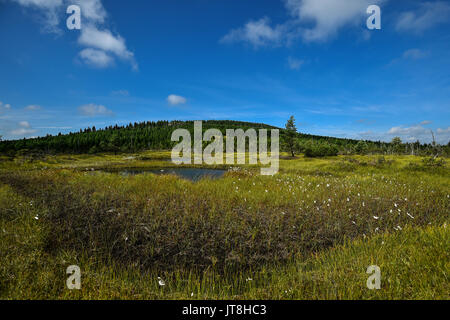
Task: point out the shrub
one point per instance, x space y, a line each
361 147
320 149
433 162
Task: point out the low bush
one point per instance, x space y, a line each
320 149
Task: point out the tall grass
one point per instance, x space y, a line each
243 236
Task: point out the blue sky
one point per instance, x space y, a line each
259 61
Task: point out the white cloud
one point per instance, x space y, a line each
257 33
414 130
92 34
24 124
92 10
104 40
418 132
53 11
443 131
312 20
424 123
24 129
101 40
50 13
96 58
294 63
174 100
428 15
414 54
328 16
408 134
33 107
93 110
22 132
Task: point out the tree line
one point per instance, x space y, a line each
320 146
156 135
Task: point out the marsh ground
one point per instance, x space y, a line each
309 232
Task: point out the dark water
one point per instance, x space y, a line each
193 174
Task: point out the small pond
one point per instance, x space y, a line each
193 174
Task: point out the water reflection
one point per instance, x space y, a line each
193 174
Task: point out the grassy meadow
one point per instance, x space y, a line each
309 232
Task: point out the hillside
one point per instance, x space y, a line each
152 135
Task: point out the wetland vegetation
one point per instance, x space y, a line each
309 232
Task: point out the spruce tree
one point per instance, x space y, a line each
291 132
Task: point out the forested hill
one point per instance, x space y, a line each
132 137
157 136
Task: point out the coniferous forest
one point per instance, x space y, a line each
152 135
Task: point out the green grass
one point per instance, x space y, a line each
309 232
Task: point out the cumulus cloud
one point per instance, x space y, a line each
257 33
328 16
418 132
408 134
23 129
104 42
33 107
414 130
96 58
102 45
174 100
93 110
427 15
92 10
312 20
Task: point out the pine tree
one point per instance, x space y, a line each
291 132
